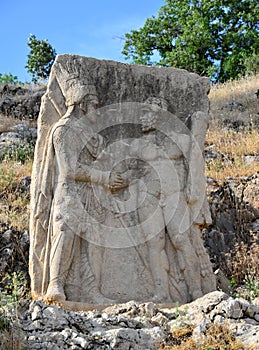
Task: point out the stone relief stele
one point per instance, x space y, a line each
118 199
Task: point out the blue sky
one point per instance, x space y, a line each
83 27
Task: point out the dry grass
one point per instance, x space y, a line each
233 145
234 88
239 91
6 123
244 260
179 338
219 336
11 173
11 337
14 204
11 340
231 148
216 337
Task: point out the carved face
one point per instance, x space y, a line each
148 119
89 105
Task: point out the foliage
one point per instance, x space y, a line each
40 58
251 287
21 152
9 79
252 64
7 178
16 289
14 201
243 265
209 37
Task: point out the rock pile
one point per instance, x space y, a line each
19 142
219 308
235 215
20 102
133 325
14 248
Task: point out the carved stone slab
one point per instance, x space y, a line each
118 187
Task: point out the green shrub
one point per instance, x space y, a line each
252 64
15 288
9 79
19 152
10 333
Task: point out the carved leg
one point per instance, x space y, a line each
206 269
189 264
179 228
207 276
61 256
159 267
156 248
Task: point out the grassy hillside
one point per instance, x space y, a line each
234 129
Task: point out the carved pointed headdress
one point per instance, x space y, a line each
73 83
77 91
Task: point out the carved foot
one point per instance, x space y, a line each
55 291
160 297
98 298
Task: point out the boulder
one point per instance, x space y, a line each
18 142
21 102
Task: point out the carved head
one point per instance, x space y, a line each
89 103
79 93
84 96
157 103
150 112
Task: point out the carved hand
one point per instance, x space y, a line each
116 182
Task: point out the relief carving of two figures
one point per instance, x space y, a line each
67 198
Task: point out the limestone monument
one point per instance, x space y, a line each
118 187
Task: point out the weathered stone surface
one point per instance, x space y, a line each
118 188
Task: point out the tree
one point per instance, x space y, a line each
209 37
40 58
